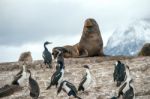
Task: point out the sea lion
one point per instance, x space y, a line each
90 44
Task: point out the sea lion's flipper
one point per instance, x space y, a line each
83 53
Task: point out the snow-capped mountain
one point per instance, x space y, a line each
129 40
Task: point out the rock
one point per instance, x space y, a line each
90 44
145 51
25 56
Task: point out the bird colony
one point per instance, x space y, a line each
23 78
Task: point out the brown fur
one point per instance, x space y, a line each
73 51
91 40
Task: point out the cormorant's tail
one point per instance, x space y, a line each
48 87
49 65
80 88
9 90
78 97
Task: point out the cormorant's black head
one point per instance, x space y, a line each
86 66
127 67
57 52
47 43
118 62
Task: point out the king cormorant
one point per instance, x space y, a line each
127 88
119 73
47 55
21 77
57 77
69 88
33 87
86 80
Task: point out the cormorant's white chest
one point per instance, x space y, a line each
22 80
88 80
127 81
61 78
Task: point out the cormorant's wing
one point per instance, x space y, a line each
129 94
83 80
55 77
121 89
47 55
119 73
122 72
71 86
60 88
18 76
115 73
19 72
34 87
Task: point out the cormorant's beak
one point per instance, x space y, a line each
49 42
127 67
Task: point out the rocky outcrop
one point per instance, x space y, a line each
25 56
90 44
102 68
145 51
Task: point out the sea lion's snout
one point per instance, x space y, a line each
89 29
89 26
88 23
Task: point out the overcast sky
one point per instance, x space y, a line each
26 24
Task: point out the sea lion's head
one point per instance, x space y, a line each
90 26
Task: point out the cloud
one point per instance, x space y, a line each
24 21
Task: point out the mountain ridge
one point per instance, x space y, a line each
130 39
